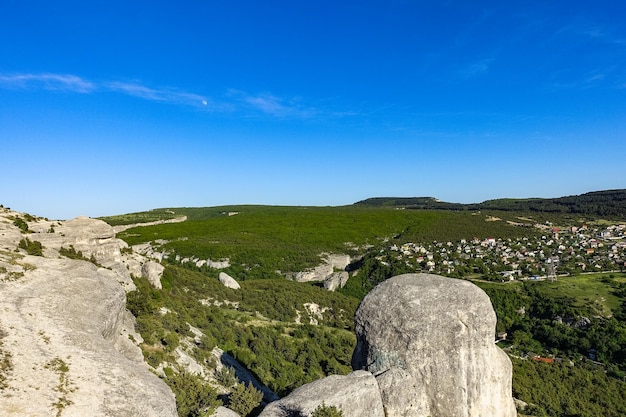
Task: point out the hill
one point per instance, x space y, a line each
597 203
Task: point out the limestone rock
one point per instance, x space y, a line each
65 327
228 281
430 342
336 280
331 262
355 394
153 271
71 311
224 412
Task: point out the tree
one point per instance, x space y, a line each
244 398
193 397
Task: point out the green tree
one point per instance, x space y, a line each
194 398
244 398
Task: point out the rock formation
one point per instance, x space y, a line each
355 394
331 262
64 327
228 281
336 280
153 271
428 343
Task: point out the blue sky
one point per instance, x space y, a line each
109 107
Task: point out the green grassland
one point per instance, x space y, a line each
266 239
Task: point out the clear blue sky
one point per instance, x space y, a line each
108 107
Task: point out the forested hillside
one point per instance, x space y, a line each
597 203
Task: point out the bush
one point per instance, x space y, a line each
32 248
226 376
324 410
194 398
244 398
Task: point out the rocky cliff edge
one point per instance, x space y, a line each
65 333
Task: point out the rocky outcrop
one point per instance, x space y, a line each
65 328
153 271
331 263
425 348
355 394
336 280
228 281
430 342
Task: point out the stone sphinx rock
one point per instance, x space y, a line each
429 341
355 394
228 281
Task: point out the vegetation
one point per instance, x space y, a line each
194 398
31 247
244 399
19 222
560 389
324 410
270 242
597 203
143 217
65 385
572 320
6 363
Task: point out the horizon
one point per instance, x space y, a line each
109 108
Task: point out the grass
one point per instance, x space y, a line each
592 291
141 217
264 239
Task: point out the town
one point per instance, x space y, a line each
555 253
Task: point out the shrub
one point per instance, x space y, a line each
194 398
226 376
324 410
244 398
22 225
32 248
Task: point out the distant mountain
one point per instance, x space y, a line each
600 203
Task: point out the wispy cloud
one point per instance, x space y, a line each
46 81
273 105
603 35
158 94
233 101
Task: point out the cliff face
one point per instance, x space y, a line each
64 328
426 345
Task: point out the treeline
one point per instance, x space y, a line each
597 203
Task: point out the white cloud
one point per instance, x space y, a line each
234 101
46 81
273 105
158 94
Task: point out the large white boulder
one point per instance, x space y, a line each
355 394
430 342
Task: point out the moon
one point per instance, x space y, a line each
204 102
